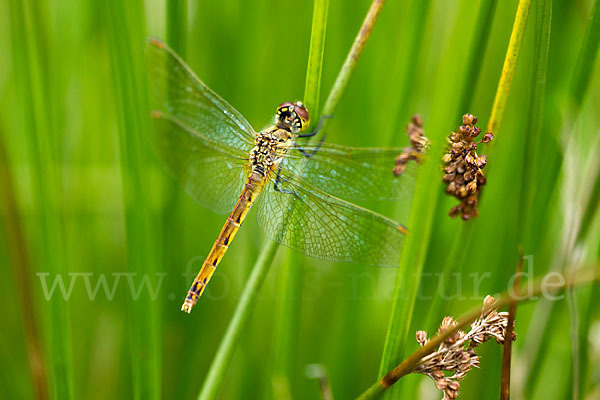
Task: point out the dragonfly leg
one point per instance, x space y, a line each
276 185
313 133
312 153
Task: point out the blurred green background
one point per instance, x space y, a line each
93 202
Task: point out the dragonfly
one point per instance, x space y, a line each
303 192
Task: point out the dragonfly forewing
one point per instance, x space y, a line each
183 95
212 178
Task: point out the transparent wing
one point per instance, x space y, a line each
352 173
212 177
299 215
190 101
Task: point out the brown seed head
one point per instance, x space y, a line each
463 167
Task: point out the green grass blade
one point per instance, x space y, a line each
31 67
22 272
291 274
126 40
481 34
241 316
177 26
587 58
510 65
312 87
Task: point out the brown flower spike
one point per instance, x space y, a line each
463 167
418 145
457 354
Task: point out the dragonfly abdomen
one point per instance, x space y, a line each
252 189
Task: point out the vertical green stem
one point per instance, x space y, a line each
33 76
177 26
481 34
21 265
241 316
126 38
587 58
510 65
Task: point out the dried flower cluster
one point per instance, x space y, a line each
418 145
463 167
457 353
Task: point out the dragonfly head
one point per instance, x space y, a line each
293 115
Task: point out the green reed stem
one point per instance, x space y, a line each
225 352
28 19
125 38
587 275
481 34
587 58
312 88
510 65
241 316
533 139
341 82
22 271
177 26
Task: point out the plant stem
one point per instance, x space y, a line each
587 58
177 26
22 271
506 355
352 58
126 38
241 316
315 56
481 34
32 73
510 65
406 367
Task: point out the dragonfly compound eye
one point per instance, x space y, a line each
302 116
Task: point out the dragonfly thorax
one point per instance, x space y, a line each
270 146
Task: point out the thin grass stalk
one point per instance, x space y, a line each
241 316
418 12
591 273
291 275
177 26
285 337
31 69
586 58
507 348
125 38
22 271
510 65
343 77
225 352
481 35
408 276
533 139
312 87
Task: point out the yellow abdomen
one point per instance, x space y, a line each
254 185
